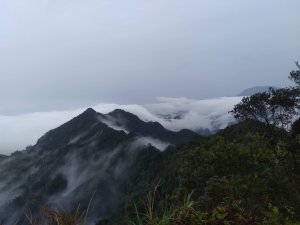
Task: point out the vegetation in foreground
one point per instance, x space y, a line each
235 177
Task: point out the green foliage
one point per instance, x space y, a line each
57 217
236 177
241 180
295 74
277 107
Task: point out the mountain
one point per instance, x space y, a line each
123 120
2 157
241 174
90 155
254 90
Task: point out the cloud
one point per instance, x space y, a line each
145 141
62 54
209 113
19 131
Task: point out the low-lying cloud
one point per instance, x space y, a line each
19 131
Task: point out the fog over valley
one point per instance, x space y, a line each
175 114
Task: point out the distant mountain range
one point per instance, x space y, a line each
254 90
92 154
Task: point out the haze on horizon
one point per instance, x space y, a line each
57 55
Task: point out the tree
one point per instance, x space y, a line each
295 75
276 107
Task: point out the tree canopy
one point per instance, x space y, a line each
295 74
275 107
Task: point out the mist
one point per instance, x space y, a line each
19 131
77 179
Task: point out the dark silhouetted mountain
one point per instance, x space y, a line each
254 90
90 153
64 134
132 123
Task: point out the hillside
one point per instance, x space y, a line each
245 174
232 177
82 158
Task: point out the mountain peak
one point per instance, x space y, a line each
121 112
88 115
256 89
90 111
62 134
118 111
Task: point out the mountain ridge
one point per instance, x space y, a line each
81 156
134 124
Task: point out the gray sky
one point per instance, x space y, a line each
64 54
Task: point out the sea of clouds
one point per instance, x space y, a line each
19 131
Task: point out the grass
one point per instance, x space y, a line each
169 215
186 213
57 216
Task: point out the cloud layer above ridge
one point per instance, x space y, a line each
19 131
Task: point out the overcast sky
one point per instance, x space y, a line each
65 54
